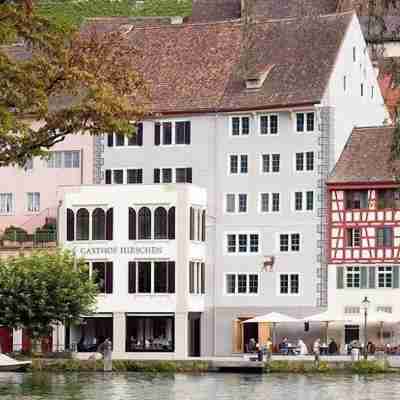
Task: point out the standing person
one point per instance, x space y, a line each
316 349
302 348
333 347
268 348
284 346
106 349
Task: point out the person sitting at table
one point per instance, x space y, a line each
302 348
333 347
371 348
284 346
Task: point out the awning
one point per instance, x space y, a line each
150 315
273 317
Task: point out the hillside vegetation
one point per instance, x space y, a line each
73 12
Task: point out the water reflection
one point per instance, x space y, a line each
132 386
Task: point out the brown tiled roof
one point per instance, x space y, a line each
197 67
215 10
367 157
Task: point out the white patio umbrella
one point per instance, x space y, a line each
273 318
327 316
374 317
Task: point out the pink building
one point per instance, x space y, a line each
28 196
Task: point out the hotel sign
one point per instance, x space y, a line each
139 251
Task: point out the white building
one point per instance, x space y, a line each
261 143
146 246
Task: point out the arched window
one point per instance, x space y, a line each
82 224
70 225
144 223
191 223
171 223
109 224
98 224
203 226
160 223
131 224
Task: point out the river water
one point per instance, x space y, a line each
132 386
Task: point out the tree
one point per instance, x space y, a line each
73 82
43 289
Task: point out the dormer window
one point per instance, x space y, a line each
256 77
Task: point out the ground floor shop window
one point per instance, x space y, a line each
92 332
150 333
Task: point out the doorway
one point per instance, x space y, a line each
351 332
194 335
250 331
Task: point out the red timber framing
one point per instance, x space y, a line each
367 220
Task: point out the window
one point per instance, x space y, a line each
344 83
134 176
82 224
131 224
307 158
353 277
197 224
299 161
166 175
171 223
242 243
144 277
102 274
362 89
230 203
242 202
169 133
150 333
241 284
196 277
372 92
70 225
384 237
310 161
385 277
356 199
164 277
289 242
268 124
119 140
353 237
137 138
118 176
270 163
289 284
64 159
183 175
110 224
388 198
240 126
236 203
98 224
305 122
28 164
354 54
144 224
160 223
238 164
33 202
304 201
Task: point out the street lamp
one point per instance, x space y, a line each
365 305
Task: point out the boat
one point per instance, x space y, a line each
8 364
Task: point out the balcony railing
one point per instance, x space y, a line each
19 238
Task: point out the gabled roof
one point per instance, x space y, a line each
367 157
199 67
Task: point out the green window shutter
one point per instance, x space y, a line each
372 277
364 278
395 277
339 278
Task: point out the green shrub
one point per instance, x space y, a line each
15 234
368 367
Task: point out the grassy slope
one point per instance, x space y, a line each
73 12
